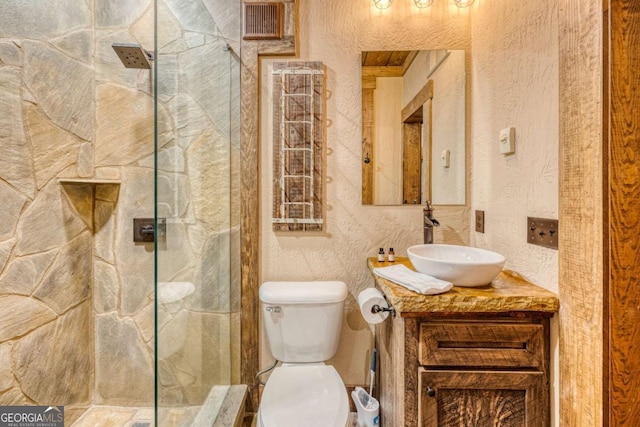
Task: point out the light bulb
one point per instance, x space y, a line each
462 3
382 4
423 3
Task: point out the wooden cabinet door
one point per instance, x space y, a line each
483 399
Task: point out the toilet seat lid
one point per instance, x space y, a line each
304 395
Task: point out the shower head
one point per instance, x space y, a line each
133 55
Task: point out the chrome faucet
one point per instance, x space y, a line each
429 223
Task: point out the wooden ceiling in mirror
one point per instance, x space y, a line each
389 63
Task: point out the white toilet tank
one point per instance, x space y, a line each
303 319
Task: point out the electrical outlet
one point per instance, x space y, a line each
480 221
542 232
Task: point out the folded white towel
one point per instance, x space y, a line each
412 280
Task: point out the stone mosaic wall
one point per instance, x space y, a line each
76 294
46 132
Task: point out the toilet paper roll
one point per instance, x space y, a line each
367 299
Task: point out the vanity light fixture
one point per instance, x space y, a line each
423 3
382 4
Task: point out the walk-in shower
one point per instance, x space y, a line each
117 331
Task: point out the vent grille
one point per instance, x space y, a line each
262 21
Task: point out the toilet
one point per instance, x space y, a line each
302 321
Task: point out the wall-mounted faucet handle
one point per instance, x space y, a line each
146 230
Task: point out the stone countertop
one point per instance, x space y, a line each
508 292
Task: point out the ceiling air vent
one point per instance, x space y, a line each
262 21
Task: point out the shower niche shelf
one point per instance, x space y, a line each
79 181
84 194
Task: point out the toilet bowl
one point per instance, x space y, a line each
302 322
304 395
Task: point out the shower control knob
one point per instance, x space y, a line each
144 230
430 392
147 230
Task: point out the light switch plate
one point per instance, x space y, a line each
480 221
542 232
508 141
446 158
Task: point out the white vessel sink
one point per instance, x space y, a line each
460 265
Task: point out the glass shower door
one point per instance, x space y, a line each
197 211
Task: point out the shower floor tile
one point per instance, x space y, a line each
118 416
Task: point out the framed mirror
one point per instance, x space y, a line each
413 127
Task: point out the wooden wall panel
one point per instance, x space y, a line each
250 51
367 143
582 206
411 163
250 221
389 337
624 213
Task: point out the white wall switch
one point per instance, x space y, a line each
508 141
446 158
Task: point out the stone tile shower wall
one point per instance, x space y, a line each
76 294
46 131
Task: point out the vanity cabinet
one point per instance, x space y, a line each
466 358
462 371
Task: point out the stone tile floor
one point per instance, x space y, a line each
221 407
116 416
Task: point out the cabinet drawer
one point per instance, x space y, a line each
486 345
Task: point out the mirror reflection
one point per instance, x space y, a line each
413 127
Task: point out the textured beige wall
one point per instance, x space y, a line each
515 83
448 132
387 146
335 32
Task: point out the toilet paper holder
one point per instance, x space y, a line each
377 309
